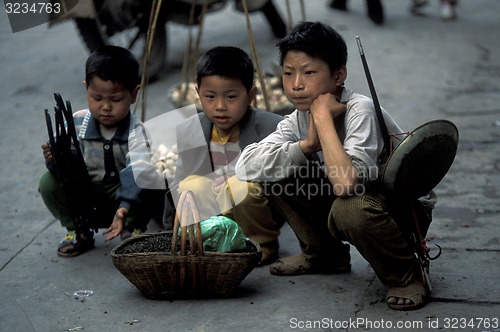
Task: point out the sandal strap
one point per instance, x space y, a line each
70 238
75 245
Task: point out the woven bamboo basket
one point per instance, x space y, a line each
165 272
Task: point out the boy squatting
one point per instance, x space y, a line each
335 129
209 144
104 132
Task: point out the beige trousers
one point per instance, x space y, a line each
244 202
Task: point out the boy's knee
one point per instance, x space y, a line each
255 189
48 184
354 213
239 190
195 183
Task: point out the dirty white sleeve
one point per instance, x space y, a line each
275 157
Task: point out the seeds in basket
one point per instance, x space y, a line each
162 243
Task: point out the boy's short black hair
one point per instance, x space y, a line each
317 40
113 63
228 62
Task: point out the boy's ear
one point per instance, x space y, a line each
134 93
251 94
340 75
84 84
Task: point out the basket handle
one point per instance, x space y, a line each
188 211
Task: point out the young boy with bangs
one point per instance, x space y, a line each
123 206
225 86
329 151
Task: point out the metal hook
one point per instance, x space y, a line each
438 254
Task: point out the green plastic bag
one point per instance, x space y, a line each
221 234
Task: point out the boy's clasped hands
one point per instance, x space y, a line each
325 107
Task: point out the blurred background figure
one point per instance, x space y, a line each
447 8
374 8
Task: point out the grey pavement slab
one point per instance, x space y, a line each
423 69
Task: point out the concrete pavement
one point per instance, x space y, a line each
423 69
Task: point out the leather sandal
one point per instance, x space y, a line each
73 245
410 297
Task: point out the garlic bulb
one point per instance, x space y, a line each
165 159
